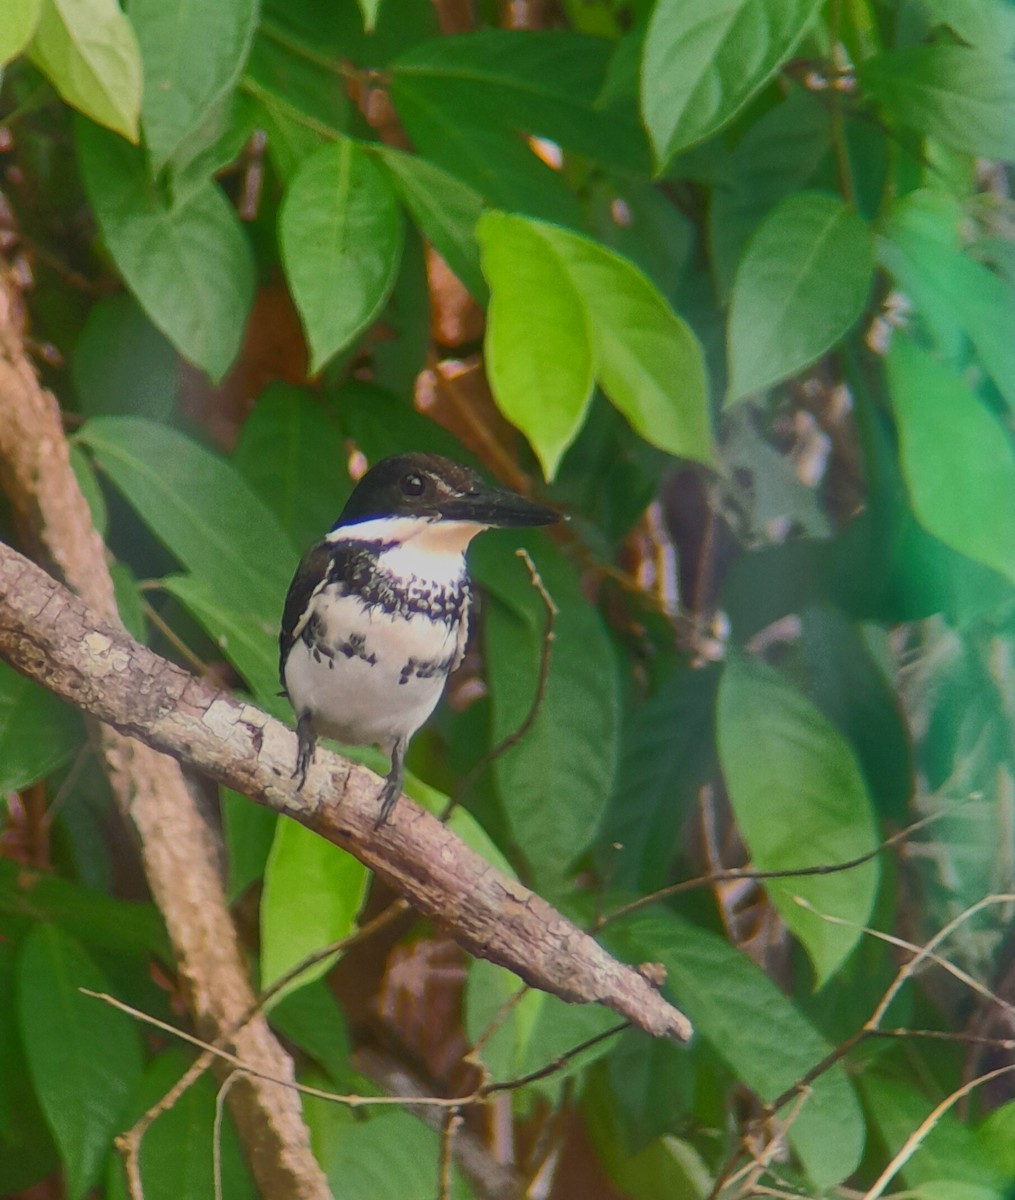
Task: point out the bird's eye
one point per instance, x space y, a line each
413 484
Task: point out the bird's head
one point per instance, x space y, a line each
435 490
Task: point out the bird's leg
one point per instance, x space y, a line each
307 745
393 787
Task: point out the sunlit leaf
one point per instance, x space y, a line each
18 26
312 893
88 51
704 60
801 285
945 433
341 237
800 801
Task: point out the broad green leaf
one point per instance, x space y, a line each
312 893
84 1057
849 687
20 20
122 364
180 1150
89 53
445 209
192 56
953 292
388 1154
38 733
986 24
962 96
202 510
704 59
800 801
291 452
802 284
248 640
757 1031
537 349
248 831
312 1019
554 785
645 358
341 240
947 434
779 154
27 1153
667 1169
189 265
125 928
545 83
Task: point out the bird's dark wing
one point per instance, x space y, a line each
310 574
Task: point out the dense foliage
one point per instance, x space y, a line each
732 284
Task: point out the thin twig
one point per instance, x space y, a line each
216 1142
735 873
513 738
173 638
912 1143
452 1123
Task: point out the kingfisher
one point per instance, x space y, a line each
377 614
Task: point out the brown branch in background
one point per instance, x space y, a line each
177 845
513 738
52 637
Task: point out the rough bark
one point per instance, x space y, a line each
177 848
51 636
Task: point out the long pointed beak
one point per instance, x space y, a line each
498 508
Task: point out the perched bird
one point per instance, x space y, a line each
377 613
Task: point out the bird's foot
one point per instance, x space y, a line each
393 785
305 755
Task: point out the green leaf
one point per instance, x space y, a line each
800 801
288 451
555 783
538 351
312 894
201 509
645 358
20 20
312 1019
180 1151
545 83
962 96
986 24
248 831
369 9
189 265
947 434
122 364
38 733
341 241
667 1169
759 1033
88 51
445 209
953 292
778 155
84 1057
802 284
192 56
27 1153
704 60
122 927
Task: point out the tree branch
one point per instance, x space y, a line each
51 636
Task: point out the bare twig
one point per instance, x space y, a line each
735 873
516 735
